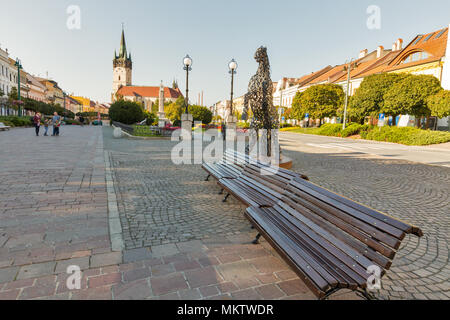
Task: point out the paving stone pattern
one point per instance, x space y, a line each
181 241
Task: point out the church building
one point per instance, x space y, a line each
124 89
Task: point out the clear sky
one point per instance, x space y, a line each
301 36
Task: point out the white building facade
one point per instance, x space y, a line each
8 79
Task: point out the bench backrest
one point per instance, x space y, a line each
355 227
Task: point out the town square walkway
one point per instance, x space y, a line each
62 198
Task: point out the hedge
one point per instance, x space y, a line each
407 135
15 121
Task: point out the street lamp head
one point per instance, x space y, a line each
18 64
232 66
187 62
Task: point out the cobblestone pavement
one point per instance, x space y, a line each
53 210
413 192
181 241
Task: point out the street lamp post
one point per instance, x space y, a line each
64 95
187 62
233 67
19 67
346 96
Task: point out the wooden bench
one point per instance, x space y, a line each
3 127
227 168
259 184
329 240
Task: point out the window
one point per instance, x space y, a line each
428 37
440 34
416 56
417 40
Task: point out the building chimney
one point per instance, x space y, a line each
380 51
399 44
363 53
394 46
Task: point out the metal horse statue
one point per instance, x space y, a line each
260 99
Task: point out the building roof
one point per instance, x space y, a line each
152 92
434 44
329 76
34 81
312 76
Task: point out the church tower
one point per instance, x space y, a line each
122 67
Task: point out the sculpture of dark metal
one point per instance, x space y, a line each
260 99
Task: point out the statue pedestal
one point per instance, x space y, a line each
186 126
231 128
117 133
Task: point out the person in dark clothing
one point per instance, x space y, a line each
37 122
56 120
81 119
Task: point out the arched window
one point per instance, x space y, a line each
416 56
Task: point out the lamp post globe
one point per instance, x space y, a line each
232 65
187 62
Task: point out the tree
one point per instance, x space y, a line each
127 112
322 101
1 93
369 97
410 96
200 113
298 112
439 104
174 110
13 95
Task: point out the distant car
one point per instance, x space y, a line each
97 123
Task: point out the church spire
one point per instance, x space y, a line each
123 46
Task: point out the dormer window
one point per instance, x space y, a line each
416 56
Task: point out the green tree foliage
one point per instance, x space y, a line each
174 110
439 104
127 112
410 95
151 118
200 113
298 111
13 94
369 97
321 101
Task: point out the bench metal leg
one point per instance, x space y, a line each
366 294
226 198
207 178
221 191
256 241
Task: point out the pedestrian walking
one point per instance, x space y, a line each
46 124
37 122
81 119
56 121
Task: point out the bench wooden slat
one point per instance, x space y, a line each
325 241
306 238
350 211
348 224
296 257
407 228
243 194
361 225
335 227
